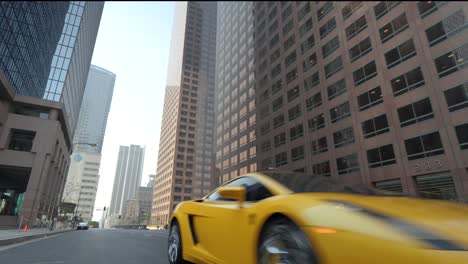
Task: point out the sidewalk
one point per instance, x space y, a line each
12 236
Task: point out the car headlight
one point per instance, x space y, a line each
418 233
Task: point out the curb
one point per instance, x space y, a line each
16 240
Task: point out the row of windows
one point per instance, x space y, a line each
419 147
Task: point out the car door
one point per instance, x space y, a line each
225 229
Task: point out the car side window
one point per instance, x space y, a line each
255 191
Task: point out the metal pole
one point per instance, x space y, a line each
21 222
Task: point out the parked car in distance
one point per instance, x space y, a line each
82 226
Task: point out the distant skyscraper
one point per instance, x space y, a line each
186 160
72 59
95 107
83 177
127 176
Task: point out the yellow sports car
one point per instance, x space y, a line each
280 217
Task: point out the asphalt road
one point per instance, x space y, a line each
113 246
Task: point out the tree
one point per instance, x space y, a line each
94 224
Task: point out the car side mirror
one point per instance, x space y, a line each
233 192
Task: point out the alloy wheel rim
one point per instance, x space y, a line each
173 247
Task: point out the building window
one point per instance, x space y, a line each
360 49
402 53
296 132
277 103
436 186
356 27
294 112
319 146
311 81
384 7
286 13
273 27
327 27
287 27
336 89
308 44
330 46
428 7
347 164
21 140
407 82
276 87
349 9
306 27
370 98
324 10
452 61
265 146
446 28
415 112
275 55
278 121
280 139
457 97
343 137
333 67
393 185
293 93
462 135
291 76
276 70
314 101
381 156
316 123
309 62
297 153
321 169
265 128
303 11
375 126
281 159
291 58
289 42
365 73
424 146
393 28
340 112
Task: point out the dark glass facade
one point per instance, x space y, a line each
29 35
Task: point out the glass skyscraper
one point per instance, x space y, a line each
29 35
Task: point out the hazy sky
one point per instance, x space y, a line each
133 42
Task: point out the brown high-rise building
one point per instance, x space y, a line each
235 91
373 92
186 159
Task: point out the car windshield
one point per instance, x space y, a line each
302 182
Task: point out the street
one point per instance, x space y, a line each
92 246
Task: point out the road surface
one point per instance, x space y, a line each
113 246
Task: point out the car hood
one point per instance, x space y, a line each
447 219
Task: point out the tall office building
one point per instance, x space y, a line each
235 93
72 58
83 175
186 160
127 177
35 138
372 92
94 111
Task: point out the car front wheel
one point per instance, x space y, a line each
282 241
174 249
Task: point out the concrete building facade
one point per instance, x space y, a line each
186 160
235 92
127 177
371 92
82 182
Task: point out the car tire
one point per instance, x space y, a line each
281 241
174 248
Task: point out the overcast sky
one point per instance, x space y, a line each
133 42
